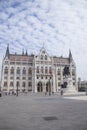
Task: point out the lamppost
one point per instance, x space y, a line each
49 88
0 92
17 89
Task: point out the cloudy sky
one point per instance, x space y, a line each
59 24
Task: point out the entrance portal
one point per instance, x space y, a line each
48 87
39 87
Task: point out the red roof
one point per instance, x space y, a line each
61 60
21 57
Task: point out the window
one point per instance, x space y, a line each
12 71
5 84
58 72
23 84
24 78
43 52
30 71
11 77
73 83
18 70
29 84
24 71
12 63
41 77
17 83
59 84
5 77
41 57
37 77
37 69
50 70
45 57
46 70
59 78
73 72
11 84
46 77
6 62
29 78
41 69
17 77
6 70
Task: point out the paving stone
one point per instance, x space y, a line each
40 112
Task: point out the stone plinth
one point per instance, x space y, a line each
70 87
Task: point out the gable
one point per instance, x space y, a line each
43 55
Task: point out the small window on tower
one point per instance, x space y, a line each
41 57
45 57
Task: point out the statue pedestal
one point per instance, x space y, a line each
70 89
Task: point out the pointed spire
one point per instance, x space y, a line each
43 44
70 56
26 53
23 52
7 51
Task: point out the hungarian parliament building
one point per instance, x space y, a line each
36 73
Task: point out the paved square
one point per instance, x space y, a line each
39 112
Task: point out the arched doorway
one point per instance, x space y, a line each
48 87
39 87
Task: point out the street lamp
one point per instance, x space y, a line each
49 88
0 92
17 89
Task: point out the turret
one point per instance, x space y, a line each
26 53
70 56
7 52
23 52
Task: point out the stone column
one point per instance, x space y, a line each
8 78
53 82
15 77
2 77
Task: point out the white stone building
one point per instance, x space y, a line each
36 73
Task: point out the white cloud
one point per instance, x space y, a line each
59 23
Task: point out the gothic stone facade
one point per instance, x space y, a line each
36 73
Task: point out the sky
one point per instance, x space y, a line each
58 24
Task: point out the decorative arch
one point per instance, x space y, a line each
39 87
48 87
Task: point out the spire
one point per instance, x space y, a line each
7 51
23 52
43 44
70 56
26 53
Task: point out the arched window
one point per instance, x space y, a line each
6 70
18 70
46 70
29 84
18 84
5 84
58 72
73 72
12 70
37 69
45 57
41 57
24 71
11 84
24 84
41 69
50 70
29 71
